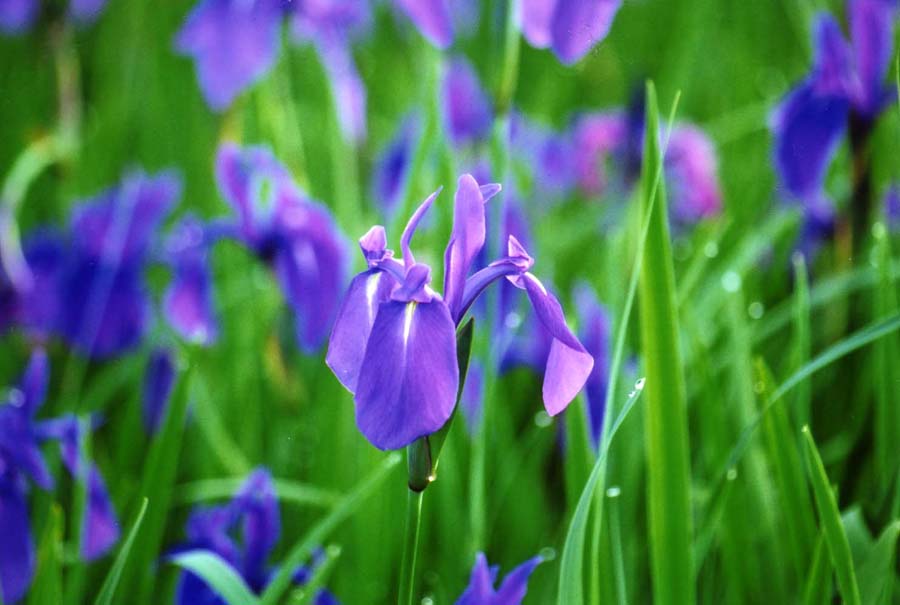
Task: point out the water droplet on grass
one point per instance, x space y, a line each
614 492
756 310
731 281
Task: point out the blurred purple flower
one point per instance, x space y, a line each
254 509
846 79
691 175
598 138
466 106
472 400
512 590
21 460
394 341
294 235
233 43
17 16
550 155
892 207
86 11
595 334
432 18
570 27
393 165
188 304
159 378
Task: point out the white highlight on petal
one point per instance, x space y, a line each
407 321
371 288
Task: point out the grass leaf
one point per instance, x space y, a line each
218 574
876 571
105 596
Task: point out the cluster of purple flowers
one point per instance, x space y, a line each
22 464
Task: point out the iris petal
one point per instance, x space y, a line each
17 560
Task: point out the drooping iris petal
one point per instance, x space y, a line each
17 15
691 175
17 560
393 165
536 17
40 305
411 226
466 241
258 508
569 364
432 18
159 379
833 72
187 303
233 44
86 11
595 335
578 25
34 382
409 375
871 35
347 344
310 267
466 107
101 526
807 129
19 444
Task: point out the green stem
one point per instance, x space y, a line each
410 548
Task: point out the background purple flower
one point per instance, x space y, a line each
432 18
570 27
467 109
512 590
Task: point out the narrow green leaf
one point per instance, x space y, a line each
876 571
46 588
218 574
571 589
830 518
108 590
801 336
302 549
818 580
306 593
666 432
886 353
220 489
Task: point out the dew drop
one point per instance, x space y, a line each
639 384
879 230
543 419
756 310
547 553
427 601
614 492
731 475
731 281
16 398
711 250
513 320
759 387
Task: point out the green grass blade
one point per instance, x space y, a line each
876 571
571 588
818 580
105 596
306 593
221 489
666 431
218 575
801 335
886 358
302 549
46 588
830 518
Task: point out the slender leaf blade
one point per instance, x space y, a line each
108 590
218 575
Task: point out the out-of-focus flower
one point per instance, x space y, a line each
295 236
570 27
550 155
432 18
472 400
393 165
690 164
512 590
21 460
394 341
846 79
188 304
892 206
594 331
159 378
466 106
16 16
254 509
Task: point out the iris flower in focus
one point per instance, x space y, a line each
512 590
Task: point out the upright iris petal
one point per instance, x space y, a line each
17 559
871 34
580 24
481 584
467 109
466 240
101 525
432 18
233 43
187 303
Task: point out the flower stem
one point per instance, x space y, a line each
410 548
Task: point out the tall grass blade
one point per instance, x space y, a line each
105 596
802 345
818 580
886 357
218 575
666 431
47 586
876 571
830 518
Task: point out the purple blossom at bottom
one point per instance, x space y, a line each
22 463
512 590
243 532
394 341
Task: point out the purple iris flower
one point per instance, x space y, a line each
570 27
17 16
159 378
188 304
295 236
690 164
551 154
253 510
432 18
466 107
512 590
394 342
22 462
393 165
846 80
595 334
